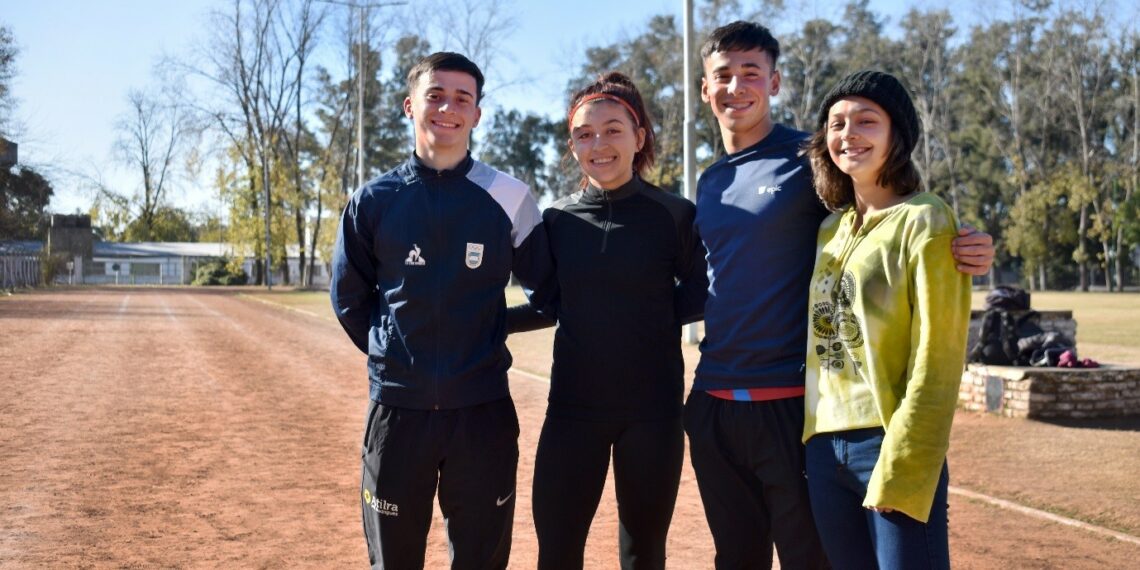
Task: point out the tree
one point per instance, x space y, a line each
1077 42
997 60
236 61
928 66
24 198
24 192
246 224
333 156
208 227
392 142
1037 230
387 137
714 13
153 134
864 44
988 190
516 144
255 59
296 144
1127 125
8 53
470 27
807 71
988 187
993 98
166 224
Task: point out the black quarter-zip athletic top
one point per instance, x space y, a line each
630 270
420 263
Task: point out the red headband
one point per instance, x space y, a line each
595 97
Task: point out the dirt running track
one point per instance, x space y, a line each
182 428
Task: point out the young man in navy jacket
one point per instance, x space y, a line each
421 260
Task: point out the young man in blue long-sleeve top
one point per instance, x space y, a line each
421 260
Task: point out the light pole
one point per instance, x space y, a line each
360 79
690 147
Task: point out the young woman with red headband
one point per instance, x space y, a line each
630 271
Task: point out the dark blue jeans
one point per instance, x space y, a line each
839 466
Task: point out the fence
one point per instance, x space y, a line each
19 271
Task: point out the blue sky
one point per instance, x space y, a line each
78 59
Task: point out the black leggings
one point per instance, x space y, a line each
570 473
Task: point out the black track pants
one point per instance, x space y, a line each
472 454
570 473
749 463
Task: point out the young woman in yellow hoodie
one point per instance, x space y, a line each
886 341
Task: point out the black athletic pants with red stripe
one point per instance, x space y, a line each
470 453
570 474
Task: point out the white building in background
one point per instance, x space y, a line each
170 263
148 263
160 263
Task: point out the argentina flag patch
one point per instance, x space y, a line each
474 255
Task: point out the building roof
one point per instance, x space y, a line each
141 249
27 247
162 249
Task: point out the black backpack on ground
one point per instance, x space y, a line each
1007 320
1008 297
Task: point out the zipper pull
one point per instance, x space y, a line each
609 216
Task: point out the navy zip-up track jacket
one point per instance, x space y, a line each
419 267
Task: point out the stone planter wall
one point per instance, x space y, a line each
1034 392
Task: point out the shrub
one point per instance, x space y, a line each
219 272
53 266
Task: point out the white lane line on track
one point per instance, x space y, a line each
281 306
530 375
123 305
166 309
1002 503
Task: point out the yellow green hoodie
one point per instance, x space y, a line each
888 314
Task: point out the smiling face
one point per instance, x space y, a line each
737 86
858 138
604 141
444 108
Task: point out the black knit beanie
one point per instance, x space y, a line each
883 89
